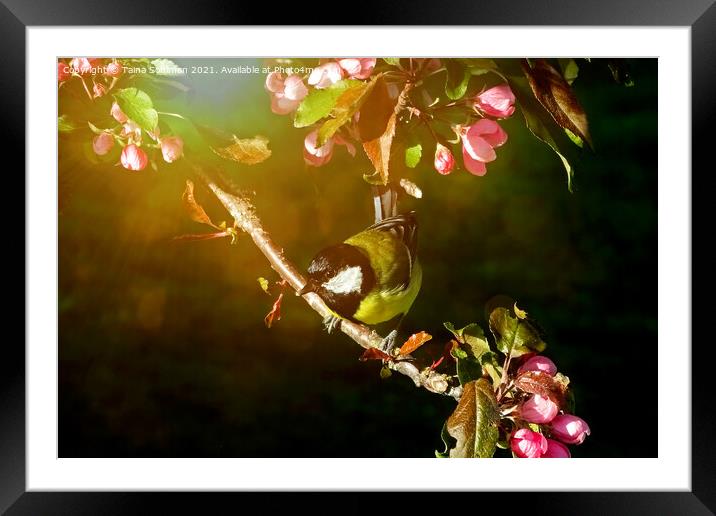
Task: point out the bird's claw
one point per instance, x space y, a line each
388 343
331 323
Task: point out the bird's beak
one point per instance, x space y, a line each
308 287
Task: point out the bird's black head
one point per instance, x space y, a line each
342 276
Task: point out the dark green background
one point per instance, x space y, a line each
162 346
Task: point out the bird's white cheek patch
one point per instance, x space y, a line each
346 281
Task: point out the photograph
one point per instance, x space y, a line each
409 257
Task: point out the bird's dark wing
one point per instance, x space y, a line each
405 227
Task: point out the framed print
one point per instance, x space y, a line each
252 265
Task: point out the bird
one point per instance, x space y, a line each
372 277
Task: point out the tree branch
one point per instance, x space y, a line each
245 218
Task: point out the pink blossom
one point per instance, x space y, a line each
80 65
99 90
527 444
316 156
118 114
444 160
102 143
114 69
172 148
286 94
478 145
63 71
556 450
538 409
538 363
326 74
498 101
358 67
133 158
570 429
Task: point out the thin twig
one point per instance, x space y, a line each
245 218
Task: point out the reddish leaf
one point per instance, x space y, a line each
556 95
378 150
414 342
275 312
196 212
374 354
539 382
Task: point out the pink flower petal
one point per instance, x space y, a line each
472 165
282 105
352 66
274 82
477 147
490 131
294 89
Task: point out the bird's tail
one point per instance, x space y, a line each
385 201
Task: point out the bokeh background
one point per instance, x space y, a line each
162 345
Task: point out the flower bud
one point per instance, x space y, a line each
498 101
538 410
172 148
316 156
118 114
556 450
527 444
570 429
99 89
444 160
63 71
133 158
114 69
102 143
538 363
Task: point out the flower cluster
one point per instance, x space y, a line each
129 135
287 93
542 428
480 139
98 76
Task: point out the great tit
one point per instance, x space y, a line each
373 276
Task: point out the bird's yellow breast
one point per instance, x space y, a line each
380 306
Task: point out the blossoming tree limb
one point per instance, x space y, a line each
509 395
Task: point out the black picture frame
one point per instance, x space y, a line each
700 15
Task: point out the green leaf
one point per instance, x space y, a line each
94 128
513 335
479 66
165 67
474 423
394 61
413 155
540 124
468 369
137 105
570 69
319 103
65 125
347 104
458 76
491 365
472 336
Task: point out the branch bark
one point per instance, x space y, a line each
245 218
